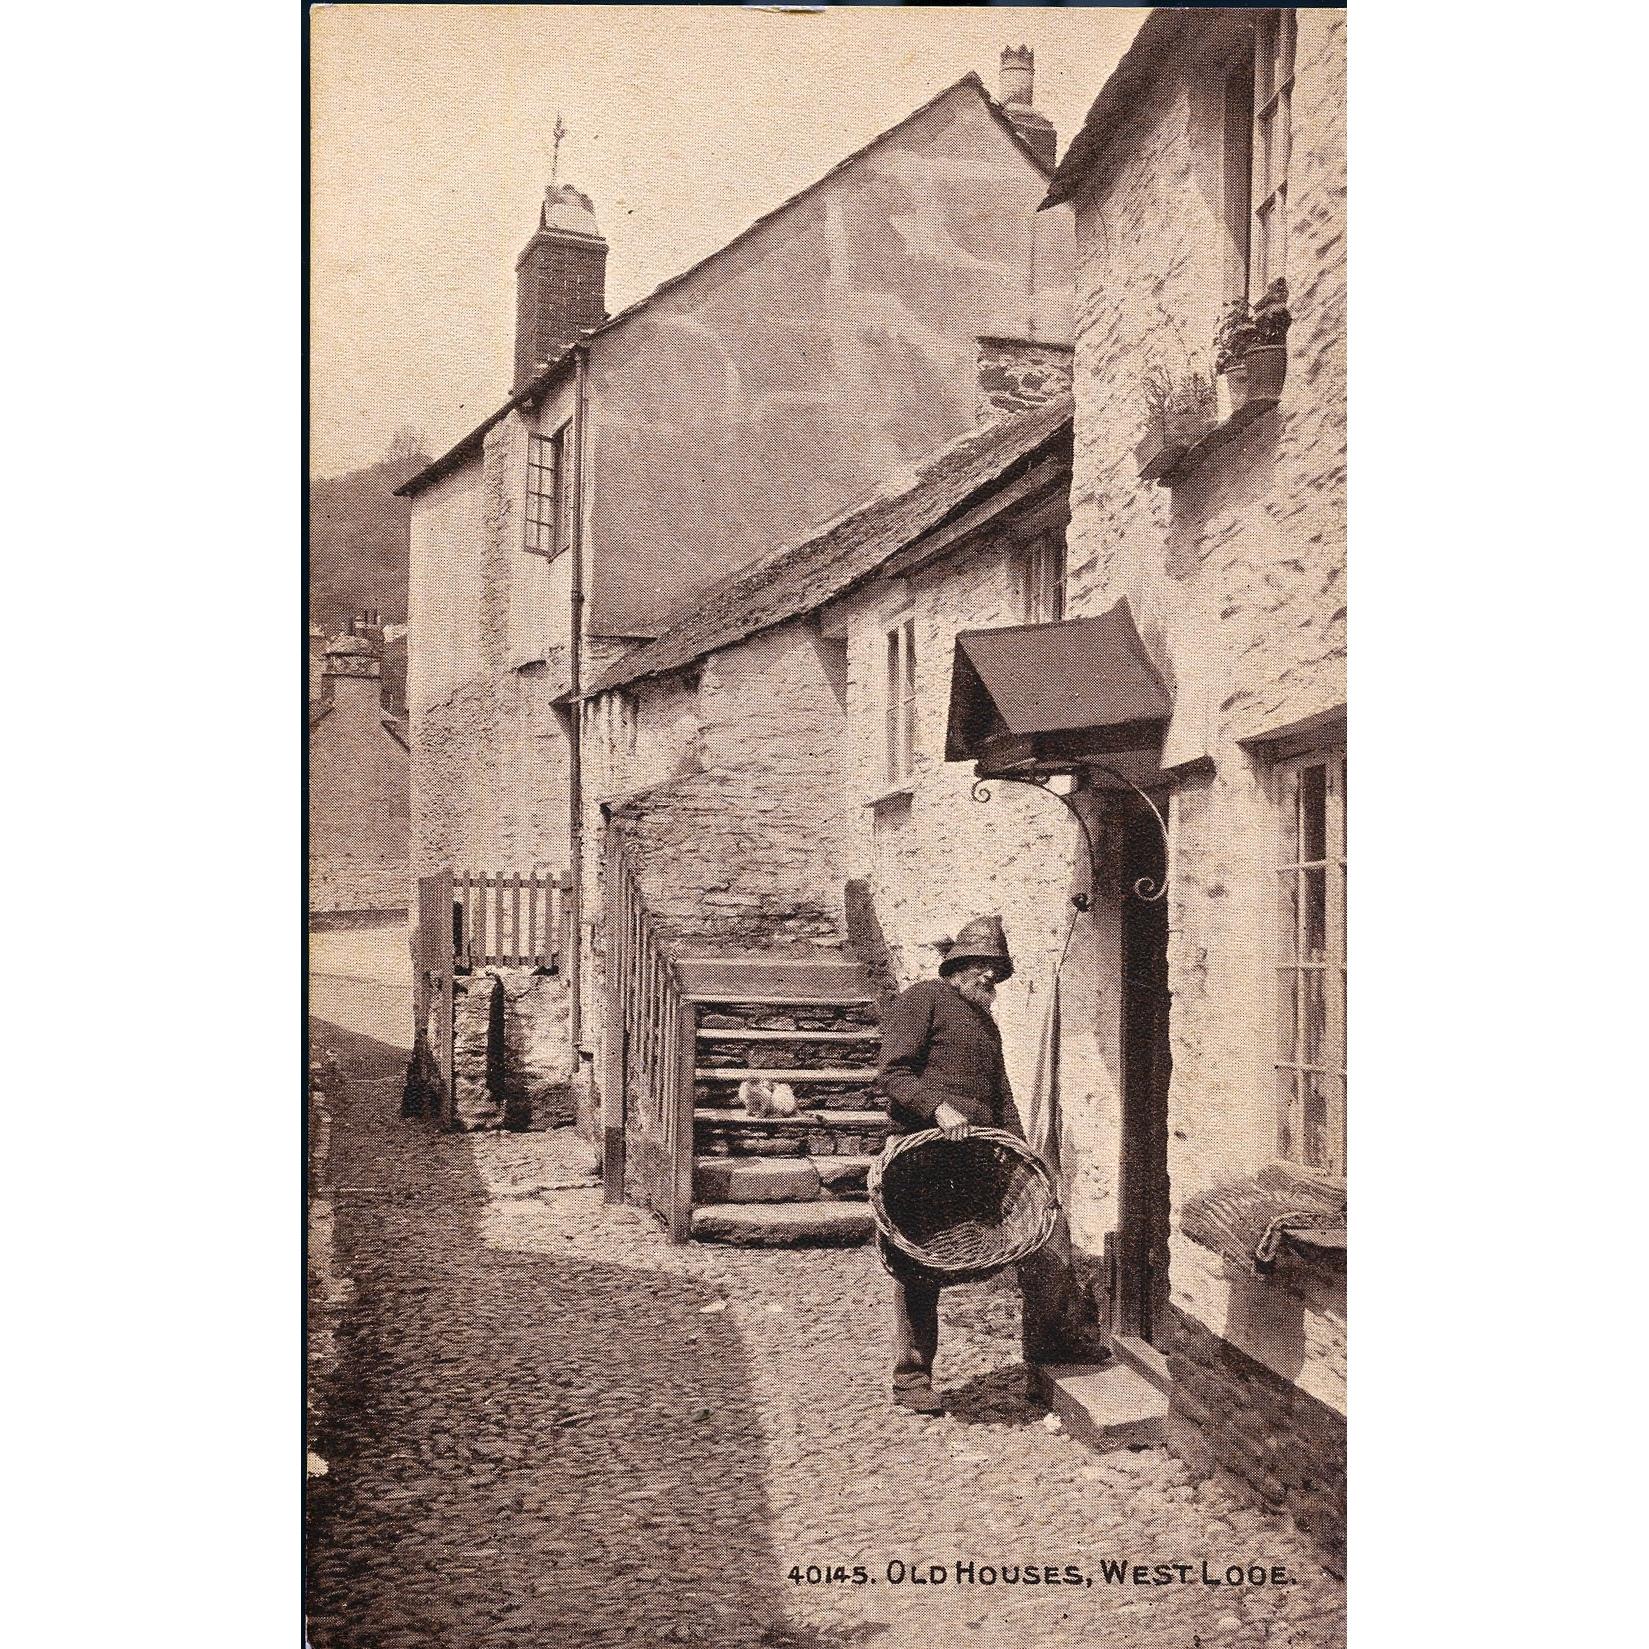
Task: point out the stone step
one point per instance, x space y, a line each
783 1224
754 1179
1104 1405
734 1116
796 980
785 1073
863 1033
726 1131
779 1179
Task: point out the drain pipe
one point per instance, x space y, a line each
575 754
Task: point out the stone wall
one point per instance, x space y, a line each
490 767
339 884
1016 374
513 1064
1234 1412
359 785
842 327
743 850
1236 579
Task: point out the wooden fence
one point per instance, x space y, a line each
648 1069
511 920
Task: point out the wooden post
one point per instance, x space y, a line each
684 1023
515 918
612 1085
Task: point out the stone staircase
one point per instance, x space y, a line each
811 1022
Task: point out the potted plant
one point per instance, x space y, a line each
1233 338
1268 354
1190 413
1154 451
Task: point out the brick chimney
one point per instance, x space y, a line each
560 280
1018 85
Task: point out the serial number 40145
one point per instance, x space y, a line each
818 1574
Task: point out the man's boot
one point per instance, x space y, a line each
918 1394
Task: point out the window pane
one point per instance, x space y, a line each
1287 1126
1315 1119
1313 1018
1287 998
1288 916
910 655
1265 51
1314 813
1314 936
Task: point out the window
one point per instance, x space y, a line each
1311 971
1258 97
549 498
901 699
1273 96
1044 579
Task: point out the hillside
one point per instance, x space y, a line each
358 540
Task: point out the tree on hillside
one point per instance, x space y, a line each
406 448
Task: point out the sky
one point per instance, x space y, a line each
431 146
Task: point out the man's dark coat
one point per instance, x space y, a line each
939 1049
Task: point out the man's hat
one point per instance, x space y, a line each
981 940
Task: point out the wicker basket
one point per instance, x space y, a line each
961 1210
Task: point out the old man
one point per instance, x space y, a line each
942 1067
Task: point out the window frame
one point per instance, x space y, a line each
1043 599
899 698
1276 39
1294 961
546 529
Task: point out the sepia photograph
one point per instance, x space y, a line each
826 827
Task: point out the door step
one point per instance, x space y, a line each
1104 1405
783 1224
1144 1359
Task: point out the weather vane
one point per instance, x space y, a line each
555 155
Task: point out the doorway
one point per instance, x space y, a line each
1139 1295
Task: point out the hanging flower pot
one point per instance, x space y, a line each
1267 357
1233 338
1267 368
1232 385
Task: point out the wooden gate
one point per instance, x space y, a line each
511 919
648 1068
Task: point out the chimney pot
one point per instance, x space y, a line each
1018 84
1018 75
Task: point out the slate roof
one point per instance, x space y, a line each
471 444
853 547
1158 37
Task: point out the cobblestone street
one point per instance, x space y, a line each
536 1423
